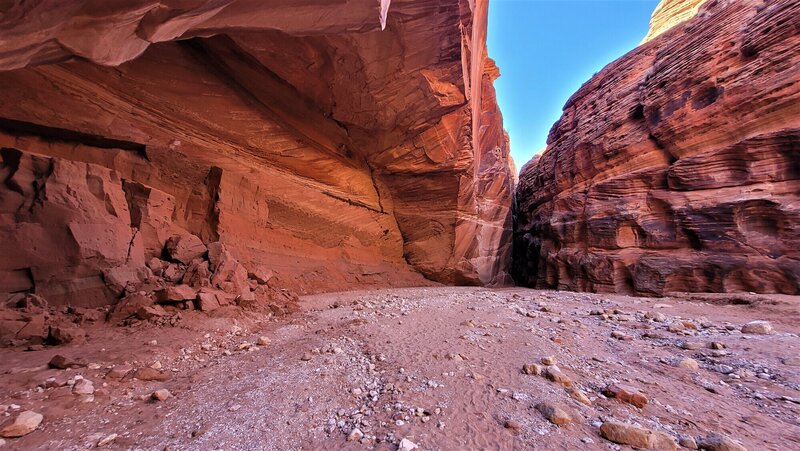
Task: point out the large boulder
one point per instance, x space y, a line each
184 248
175 294
229 275
65 238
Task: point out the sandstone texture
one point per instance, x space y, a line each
675 169
25 423
670 13
325 144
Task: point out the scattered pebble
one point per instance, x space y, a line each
407 445
627 434
553 413
626 393
687 441
719 442
692 345
83 387
689 364
161 395
513 426
554 374
532 369
25 423
757 328
580 396
106 440
792 361
355 435
619 335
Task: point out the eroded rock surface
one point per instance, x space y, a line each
299 134
676 167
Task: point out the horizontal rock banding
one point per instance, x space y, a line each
301 135
675 168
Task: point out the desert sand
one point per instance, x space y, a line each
441 367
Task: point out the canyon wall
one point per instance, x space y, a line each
677 167
338 143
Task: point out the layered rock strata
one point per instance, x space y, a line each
677 167
299 134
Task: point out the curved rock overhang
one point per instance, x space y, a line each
299 133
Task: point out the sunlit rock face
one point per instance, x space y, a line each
668 14
677 167
298 133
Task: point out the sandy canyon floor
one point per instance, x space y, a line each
439 367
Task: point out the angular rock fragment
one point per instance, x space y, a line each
555 374
161 395
63 335
533 369
407 445
128 306
229 275
25 423
637 437
689 364
149 312
578 395
184 248
119 372
151 374
174 294
554 413
355 435
61 362
83 387
626 393
719 442
757 328
197 274
207 301
261 274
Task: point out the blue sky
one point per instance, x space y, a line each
546 49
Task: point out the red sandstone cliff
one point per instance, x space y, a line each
677 167
299 134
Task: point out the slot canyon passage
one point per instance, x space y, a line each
296 224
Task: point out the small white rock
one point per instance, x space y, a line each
407 445
355 435
108 439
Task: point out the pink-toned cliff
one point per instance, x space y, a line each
676 168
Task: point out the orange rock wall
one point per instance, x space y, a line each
676 168
301 135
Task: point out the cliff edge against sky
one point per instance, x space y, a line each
676 167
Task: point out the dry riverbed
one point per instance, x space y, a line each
434 368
